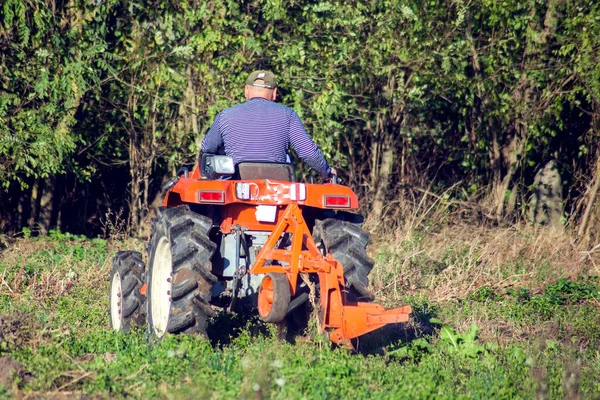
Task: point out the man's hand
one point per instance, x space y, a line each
332 176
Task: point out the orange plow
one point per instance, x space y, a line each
343 320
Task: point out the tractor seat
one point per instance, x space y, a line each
248 170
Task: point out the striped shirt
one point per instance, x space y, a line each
262 130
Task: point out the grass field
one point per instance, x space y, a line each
503 313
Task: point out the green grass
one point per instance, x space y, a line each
514 343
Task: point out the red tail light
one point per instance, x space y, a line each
211 196
337 201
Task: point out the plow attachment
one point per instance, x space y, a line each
361 318
343 320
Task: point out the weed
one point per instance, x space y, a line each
500 338
484 293
564 291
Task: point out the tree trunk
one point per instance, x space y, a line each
524 94
44 204
592 196
382 181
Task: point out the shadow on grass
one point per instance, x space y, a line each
226 327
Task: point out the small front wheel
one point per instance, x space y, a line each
127 303
274 297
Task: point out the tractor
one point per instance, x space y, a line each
245 238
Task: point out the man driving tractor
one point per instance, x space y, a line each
217 241
261 130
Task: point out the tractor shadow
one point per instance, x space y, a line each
226 327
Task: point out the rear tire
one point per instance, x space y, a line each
347 242
127 304
179 275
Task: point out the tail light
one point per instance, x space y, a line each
211 196
337 201
246 191
297 191
242 191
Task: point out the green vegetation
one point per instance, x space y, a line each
517 342
440 115
473 98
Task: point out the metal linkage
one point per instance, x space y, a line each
344 320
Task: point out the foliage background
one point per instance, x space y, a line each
101 101
433 110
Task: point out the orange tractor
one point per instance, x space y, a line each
246 237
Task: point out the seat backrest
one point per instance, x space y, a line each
265 170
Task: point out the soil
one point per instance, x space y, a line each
9 369
16 331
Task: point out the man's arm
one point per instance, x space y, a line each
306 149
213 139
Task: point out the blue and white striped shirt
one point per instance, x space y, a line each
262 130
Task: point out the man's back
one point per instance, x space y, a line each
256 130
262 130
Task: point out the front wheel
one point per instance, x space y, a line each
179 275
127 304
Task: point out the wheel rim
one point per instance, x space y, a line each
116 301
265 297
160 287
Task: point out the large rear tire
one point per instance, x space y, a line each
179 274
347 243
127 304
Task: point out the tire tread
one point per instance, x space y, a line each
347 243
191 252
131 268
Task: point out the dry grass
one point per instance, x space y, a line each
443 248
459 259
43 270
443 253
